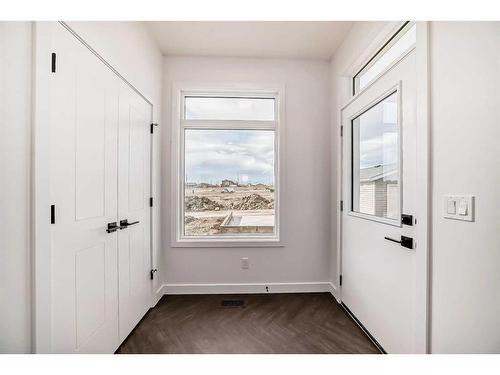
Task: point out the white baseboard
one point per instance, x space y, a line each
334 291
157 296
305 287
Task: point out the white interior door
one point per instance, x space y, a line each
379 185
99 176
83 178
134 191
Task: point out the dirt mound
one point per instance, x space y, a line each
202 226
196 203
253 202
189 219
226 183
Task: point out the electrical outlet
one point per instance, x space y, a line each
244 263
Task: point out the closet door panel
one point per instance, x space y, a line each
133 205
83 178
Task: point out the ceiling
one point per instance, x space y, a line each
260 39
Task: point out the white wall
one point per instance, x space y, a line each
305 257
15 191
465 134
465 122
128 47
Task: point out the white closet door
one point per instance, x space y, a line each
134 191
83 178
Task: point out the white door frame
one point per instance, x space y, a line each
423 203
41 245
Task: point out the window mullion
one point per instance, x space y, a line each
228 124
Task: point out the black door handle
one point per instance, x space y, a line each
112 227
124 224
404 241
392 239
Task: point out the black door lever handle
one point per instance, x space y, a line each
392 239
112 227
124 224
404 241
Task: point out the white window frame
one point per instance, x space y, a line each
368 63
350 173
179 125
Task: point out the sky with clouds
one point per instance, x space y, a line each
378 134
214 155
217 108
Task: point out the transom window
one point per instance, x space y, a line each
228 177
227 108
396 47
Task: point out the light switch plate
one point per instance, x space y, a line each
459 207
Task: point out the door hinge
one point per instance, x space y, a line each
153 273
340 280
153 124
53 214
53 69
341 205
342 131
151 202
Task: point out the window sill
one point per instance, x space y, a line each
218 243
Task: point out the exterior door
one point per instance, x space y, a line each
379 186
134 239
83 179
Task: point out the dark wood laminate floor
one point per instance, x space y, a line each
267 323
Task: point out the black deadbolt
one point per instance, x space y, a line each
406 219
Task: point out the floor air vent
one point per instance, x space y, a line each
233 303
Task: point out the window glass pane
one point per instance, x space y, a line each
375 160
217 108
229 182
387 57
